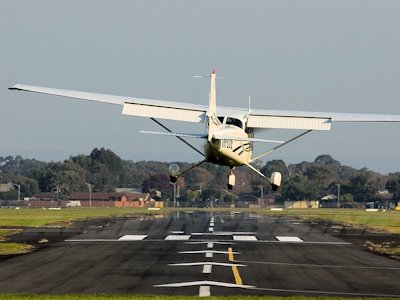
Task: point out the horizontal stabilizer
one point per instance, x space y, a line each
243 139
186 135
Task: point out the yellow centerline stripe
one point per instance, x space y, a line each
230 254
235 271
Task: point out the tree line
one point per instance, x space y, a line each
106 171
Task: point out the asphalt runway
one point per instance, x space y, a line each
199 254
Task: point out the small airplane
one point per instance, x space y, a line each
229 132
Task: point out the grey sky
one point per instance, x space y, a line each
341 56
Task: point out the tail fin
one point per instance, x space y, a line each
212 96
213 122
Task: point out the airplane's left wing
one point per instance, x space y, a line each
309 120
131 106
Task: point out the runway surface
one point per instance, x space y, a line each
200 254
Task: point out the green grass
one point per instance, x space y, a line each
14 248
157 297
387 221
5 232
30 217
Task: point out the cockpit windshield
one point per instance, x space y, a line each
231 121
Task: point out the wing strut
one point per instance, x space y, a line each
259 173
178 137
280 145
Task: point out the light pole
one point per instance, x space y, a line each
19 190
90 193
262 194
174 185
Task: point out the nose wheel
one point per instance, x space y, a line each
231 179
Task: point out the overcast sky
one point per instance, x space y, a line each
341 56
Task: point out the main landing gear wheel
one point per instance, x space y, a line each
231 180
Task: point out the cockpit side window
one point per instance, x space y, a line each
235 122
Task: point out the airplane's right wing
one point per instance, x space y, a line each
131 106
310 120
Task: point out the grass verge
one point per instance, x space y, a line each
15 248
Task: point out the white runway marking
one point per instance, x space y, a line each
307 243
289 239
211 229
207 263
205 282
207 269
187 237
224 233
91 240
209 254
213 242
204 291
177 237
244 238
207 251
132 237
177 232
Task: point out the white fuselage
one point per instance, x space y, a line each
228 152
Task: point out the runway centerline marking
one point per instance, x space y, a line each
207 269
204 291
235 270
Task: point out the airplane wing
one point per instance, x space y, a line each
309 120
196 113
131 106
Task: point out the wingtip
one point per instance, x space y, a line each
14 87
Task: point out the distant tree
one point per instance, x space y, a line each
347 197
198 177
327 160
158 183
299 187
321 177
364 186
393 184
210 193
